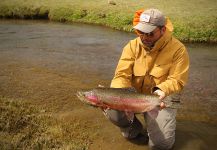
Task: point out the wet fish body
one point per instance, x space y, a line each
124 99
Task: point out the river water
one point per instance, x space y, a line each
88 55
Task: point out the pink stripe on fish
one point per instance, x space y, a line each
92 98
128 100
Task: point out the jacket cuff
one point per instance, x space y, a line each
154 89
163 88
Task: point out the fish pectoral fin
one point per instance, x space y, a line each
104 110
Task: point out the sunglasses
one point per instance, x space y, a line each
151 34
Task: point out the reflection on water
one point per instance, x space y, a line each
94 51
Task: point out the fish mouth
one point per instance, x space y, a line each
82 97
79 94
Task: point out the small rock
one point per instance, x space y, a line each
111 2
43 111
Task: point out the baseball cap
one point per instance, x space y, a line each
149 20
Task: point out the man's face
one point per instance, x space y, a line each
149 39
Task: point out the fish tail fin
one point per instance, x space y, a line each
172 102
175 104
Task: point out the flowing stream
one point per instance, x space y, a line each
87 55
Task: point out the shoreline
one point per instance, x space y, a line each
198 29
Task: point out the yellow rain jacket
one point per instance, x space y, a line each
165 66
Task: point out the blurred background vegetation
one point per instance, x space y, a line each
194 21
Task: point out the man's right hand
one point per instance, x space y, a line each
161 95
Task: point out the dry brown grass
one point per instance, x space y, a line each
25 126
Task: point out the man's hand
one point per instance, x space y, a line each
161 95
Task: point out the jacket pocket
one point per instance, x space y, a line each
160 70
139 69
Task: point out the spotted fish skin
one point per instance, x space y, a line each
124 99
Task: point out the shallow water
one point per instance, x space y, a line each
87 55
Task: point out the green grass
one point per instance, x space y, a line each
194 21
24 126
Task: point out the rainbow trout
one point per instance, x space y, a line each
124 99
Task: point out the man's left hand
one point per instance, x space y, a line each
161 95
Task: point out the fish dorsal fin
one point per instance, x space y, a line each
131 89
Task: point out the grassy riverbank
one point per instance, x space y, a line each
25 126
194 21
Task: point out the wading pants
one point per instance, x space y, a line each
161 126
